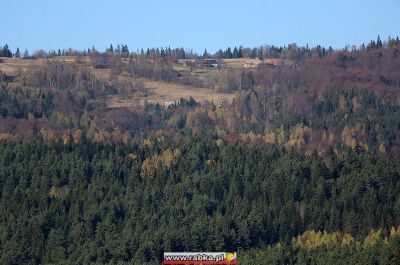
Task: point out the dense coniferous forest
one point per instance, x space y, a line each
93 202
301 166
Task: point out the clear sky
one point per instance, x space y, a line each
193 24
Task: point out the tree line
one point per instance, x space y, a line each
290 51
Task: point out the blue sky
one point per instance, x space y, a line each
192 24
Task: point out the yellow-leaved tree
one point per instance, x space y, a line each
149 167
348 138
299 136
77 136
165 160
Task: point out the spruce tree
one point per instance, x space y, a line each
205 54
228 53
240 52
6 52
379 42
26 54
111 49
235 53
17 53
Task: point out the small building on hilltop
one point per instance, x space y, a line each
210 63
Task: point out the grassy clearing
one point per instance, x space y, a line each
162 92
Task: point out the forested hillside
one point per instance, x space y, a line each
93 202
289 163
324 99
